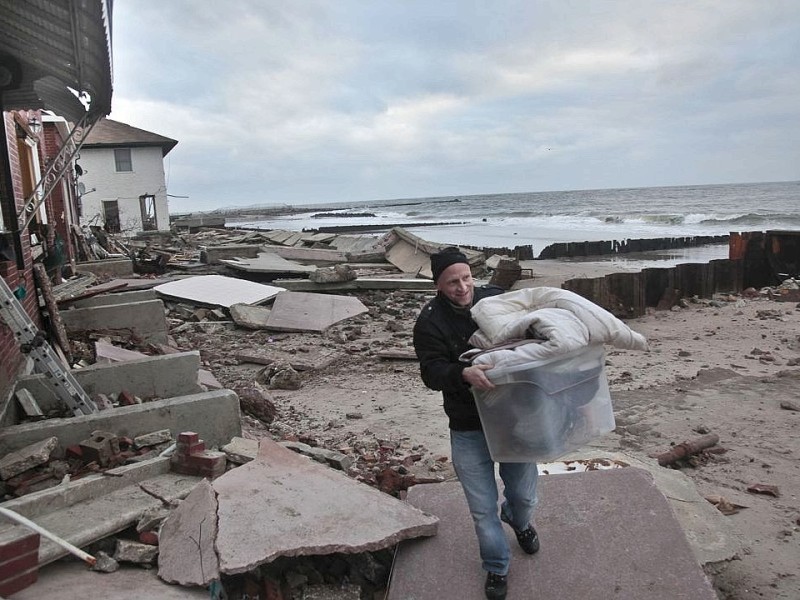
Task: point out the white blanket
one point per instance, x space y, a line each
564 321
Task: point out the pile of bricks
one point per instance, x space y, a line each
192 458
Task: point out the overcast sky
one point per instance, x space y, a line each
306 102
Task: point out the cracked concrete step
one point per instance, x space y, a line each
90 509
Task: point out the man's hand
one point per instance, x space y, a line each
476 377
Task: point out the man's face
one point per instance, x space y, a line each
455 282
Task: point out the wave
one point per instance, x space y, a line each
753 219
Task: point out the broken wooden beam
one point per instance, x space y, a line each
686 449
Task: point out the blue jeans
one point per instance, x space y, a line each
475 469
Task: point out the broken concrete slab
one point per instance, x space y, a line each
212 255
300 311
284 504
107 268
268 263
148 377
241 450
92 508
25 458
250 317
218 290
315 256
610 534
143 319
412 254
214 415
187 555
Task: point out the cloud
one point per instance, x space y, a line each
319 102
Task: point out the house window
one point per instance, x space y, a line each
122 160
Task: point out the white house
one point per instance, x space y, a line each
121 178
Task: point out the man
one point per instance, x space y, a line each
441 335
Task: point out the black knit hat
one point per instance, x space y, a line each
444 258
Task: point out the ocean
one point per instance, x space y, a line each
539 219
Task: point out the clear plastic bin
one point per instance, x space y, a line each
543 410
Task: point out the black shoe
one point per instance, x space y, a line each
527 539
496 586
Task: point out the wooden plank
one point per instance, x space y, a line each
59 331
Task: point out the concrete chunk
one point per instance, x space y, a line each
283 504
135 552
152 439
26 458
241 450
250 317
186 542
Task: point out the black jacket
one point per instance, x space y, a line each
441 335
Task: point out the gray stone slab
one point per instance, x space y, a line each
218 290
147 377
605 534
186 541
115 298
284 504
214 415
72 581
144 319
300 311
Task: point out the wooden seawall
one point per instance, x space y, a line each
758 259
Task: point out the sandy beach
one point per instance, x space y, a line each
727 366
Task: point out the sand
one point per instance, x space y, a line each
722 366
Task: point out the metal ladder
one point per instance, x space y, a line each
45 360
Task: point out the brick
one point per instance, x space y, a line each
100 448
149 537
11 568
188 437
102 401
19 546
19 582
125 398
190 449
19 564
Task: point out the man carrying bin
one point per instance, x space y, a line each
441 335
